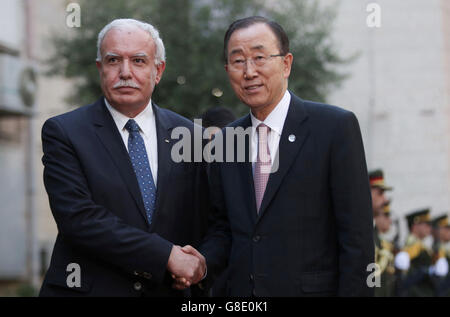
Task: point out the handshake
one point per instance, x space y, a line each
186 265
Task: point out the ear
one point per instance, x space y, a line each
159 71
226 67
287 64
99 65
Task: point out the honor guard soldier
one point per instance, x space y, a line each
441 248
441 233
378 189
384 254
416 258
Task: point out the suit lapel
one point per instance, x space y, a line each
164 143
246 172
294 125
110 137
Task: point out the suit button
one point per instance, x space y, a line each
137 286
147 275
251 277
256 238
136 273
254 293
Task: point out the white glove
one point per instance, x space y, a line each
402 261
441 267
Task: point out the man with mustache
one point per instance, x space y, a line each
123 207
299 207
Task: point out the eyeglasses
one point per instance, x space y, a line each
238 63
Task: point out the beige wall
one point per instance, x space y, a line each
399 89
445 9
48 16
44 17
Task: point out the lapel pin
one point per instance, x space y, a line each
166 140
291 138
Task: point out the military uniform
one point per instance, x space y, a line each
441 250
384 257
418 281
446 249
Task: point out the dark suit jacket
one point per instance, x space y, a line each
98 208
313 234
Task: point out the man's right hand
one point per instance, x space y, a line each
186 268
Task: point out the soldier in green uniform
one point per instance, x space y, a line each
441 235
441 248
381 224
384 254
417 281
377 190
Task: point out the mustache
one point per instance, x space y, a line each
125 83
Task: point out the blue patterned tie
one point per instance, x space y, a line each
141 166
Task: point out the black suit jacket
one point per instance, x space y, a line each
97 205
313 234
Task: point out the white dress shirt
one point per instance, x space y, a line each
147 125
275 121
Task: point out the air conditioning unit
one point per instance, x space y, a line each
17 85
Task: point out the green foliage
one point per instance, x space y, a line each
309 28
26 290
192 31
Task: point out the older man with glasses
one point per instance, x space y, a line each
302 227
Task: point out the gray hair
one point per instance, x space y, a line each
160 55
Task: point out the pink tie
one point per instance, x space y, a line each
263 164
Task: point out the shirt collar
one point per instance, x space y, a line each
141 119
275 119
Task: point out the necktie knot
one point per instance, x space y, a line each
263 134
132 126
262 128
